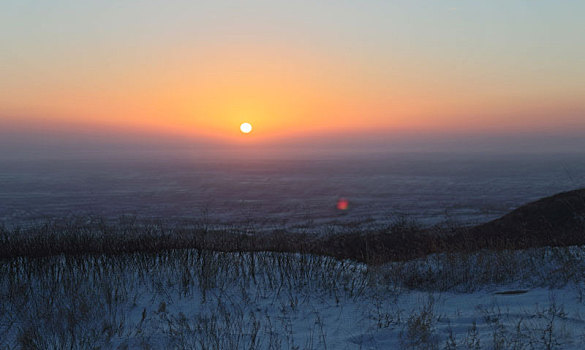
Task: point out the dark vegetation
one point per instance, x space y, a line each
558 220
89 284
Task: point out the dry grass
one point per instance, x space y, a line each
555 221
117 301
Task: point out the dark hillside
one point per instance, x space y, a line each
558 220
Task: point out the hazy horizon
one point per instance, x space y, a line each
396 75
152 98
52 141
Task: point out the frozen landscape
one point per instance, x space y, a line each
202 299
274 192
254 174
187 299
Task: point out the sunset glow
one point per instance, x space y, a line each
324 174
431 69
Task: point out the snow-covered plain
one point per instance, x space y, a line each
199 299
292 193
188 299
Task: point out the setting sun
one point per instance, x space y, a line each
254 173
246 128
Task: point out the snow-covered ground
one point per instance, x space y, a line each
532 299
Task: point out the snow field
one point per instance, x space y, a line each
192 299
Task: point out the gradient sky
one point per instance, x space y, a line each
196 70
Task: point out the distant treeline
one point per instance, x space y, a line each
553 221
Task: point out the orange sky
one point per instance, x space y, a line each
443 72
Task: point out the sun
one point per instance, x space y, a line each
246 128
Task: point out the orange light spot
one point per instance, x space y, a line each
342 204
